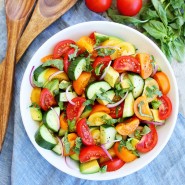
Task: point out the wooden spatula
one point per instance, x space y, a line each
17 13
45 13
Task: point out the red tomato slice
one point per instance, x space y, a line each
117 112
66 59
83 131
92 36
61 48
127 63
47 100
101 60
89 153
148 141
165 108
74 111
113 165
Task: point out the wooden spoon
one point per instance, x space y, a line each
17 14
45 13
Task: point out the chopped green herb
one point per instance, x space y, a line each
71 125
58 63
111 121
35 105
137 134
121 144
38 84
88 67
135 152
103 169
66 143
78 144
61 105
152 91
100 96
88 102
105 52
129 145
156 104
72 56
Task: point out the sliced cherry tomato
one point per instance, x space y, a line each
61 48
163 81
146 65
123 153
66 59
113 165
128 126
117 112
129 7
74 111
98 6
92 36
48 57
83 131
165 108
63 122
141 109
47 100
35 95
89 153
100 108
105 159
148 141
127 63
101 60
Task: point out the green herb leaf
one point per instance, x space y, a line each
129 145
88 102
78 144
103 169
152 91
156 104
105 52
102 97
135 152
71 125
66 143
58 63
121 144
61 105
177 3
64 85
72 56
137 134
88 67
98 69
111 121
156 29
160 11
38 84
35 105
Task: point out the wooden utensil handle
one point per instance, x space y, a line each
6 82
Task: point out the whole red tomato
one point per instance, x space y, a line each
129 7
98 6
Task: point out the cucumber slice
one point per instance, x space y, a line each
89 167
64 84
107 135
50 119
128 106
76 67
44 138
58 149
63 97
138 84
62 132
96 88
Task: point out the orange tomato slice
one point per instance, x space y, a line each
35 95
100 108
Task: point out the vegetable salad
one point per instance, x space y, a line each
98 102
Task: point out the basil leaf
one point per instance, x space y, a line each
156 104
145 130
176 3
66 144
156 29
150 14
38 84
114 15
105 52
160 11
100 96
58 63
103 169
73 55
121 144
88 102
78 144
98 69
71 125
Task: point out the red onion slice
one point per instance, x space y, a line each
111 47
30 77
105 71
61 144
67 95
154 70
152 122
54 74
57 116
111 141
122 76
117 103
106 151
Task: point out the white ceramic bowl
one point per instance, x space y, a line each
144 45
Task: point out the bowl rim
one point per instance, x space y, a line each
154 155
